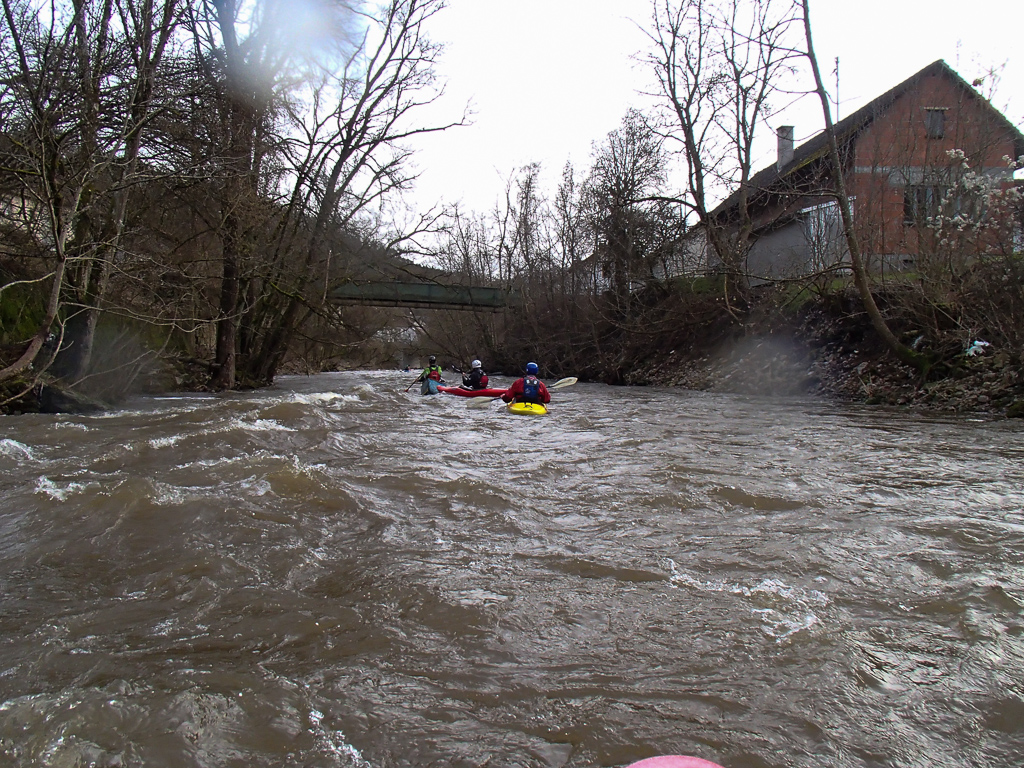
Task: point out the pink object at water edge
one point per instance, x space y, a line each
674 761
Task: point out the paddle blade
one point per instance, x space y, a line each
566 382
481 402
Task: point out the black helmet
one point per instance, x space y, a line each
431 359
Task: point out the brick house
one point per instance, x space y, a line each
899 172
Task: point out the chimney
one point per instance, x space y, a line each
785 134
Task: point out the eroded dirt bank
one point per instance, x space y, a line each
841 358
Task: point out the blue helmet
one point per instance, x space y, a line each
532 368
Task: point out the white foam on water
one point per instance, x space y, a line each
260 425
335 742
57 492
14 449
164 442
75 425
472 597
779 627
256 486
322 398
676 578
126 414
253 485
780 623
796 594
169 495
166 494
184 397
325 397
223 461
165 628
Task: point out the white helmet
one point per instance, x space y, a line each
477 364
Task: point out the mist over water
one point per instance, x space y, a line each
331 572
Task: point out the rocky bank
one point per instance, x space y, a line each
844 367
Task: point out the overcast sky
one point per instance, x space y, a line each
548 78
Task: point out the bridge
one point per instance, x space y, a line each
424 296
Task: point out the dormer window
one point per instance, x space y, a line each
935 122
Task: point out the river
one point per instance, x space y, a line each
332 572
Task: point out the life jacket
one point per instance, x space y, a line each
475 379
435 373
531 389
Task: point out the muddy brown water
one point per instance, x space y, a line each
331 572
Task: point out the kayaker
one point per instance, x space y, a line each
528 389
430 377
432 371
476 378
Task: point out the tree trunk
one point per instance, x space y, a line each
28 357
239 189
860 274
225 356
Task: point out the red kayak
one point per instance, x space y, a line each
471 392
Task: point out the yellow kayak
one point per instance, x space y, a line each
533 409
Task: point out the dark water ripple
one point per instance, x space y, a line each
334 573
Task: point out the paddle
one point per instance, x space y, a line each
416 381
481 402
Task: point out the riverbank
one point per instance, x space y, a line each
825 349
840 358
779 363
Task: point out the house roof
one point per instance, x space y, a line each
850 126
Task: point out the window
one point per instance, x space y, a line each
935 123
823 231
920 201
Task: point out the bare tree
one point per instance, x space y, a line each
80 80
323 135
626 207
860 272
586 263
37 98
142 30
719 64
246 64
573 237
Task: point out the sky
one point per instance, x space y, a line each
546 79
